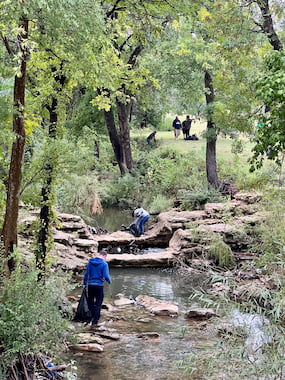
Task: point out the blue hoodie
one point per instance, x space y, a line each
96 272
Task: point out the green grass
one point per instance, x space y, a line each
224 145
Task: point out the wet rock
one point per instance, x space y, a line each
158 307
183 234
200 313
110 307
153 336
142 320
92 347
107 334
121 300
88 337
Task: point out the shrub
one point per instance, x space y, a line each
31 316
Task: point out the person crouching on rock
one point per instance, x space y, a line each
97 271
143 216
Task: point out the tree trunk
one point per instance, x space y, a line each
211 163
9 230
115 140
267 26
123 111
45 212
51 163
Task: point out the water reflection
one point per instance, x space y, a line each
164 284
135 358
111 219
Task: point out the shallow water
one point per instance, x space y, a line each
111 219
133 357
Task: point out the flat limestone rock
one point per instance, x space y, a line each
121 300
87 338
158 307
154 259
92 347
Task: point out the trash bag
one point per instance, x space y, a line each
83 314
135 228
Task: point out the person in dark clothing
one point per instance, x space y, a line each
176 124
97 271
186 125
151 137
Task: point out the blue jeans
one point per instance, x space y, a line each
143 221
95 296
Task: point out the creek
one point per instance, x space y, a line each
133 357
111 219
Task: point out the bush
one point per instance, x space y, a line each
31 316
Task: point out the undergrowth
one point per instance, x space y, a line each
33 319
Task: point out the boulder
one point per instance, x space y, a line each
158 307
200 313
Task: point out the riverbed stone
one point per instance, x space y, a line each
91 347
88 337
158 307
122 300
152 336
200 313
181 234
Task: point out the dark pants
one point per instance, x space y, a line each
95 296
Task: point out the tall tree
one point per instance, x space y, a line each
130 26
9 230
52 83
208 54
269 138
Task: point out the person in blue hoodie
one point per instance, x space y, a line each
97 271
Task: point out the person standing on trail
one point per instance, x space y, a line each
186 125
143 216
176 124
97 271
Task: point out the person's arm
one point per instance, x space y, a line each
106 273
86 274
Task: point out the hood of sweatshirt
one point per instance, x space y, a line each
96 261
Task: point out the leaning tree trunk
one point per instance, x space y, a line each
115 140
267 26
211 162
9 230
123 116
